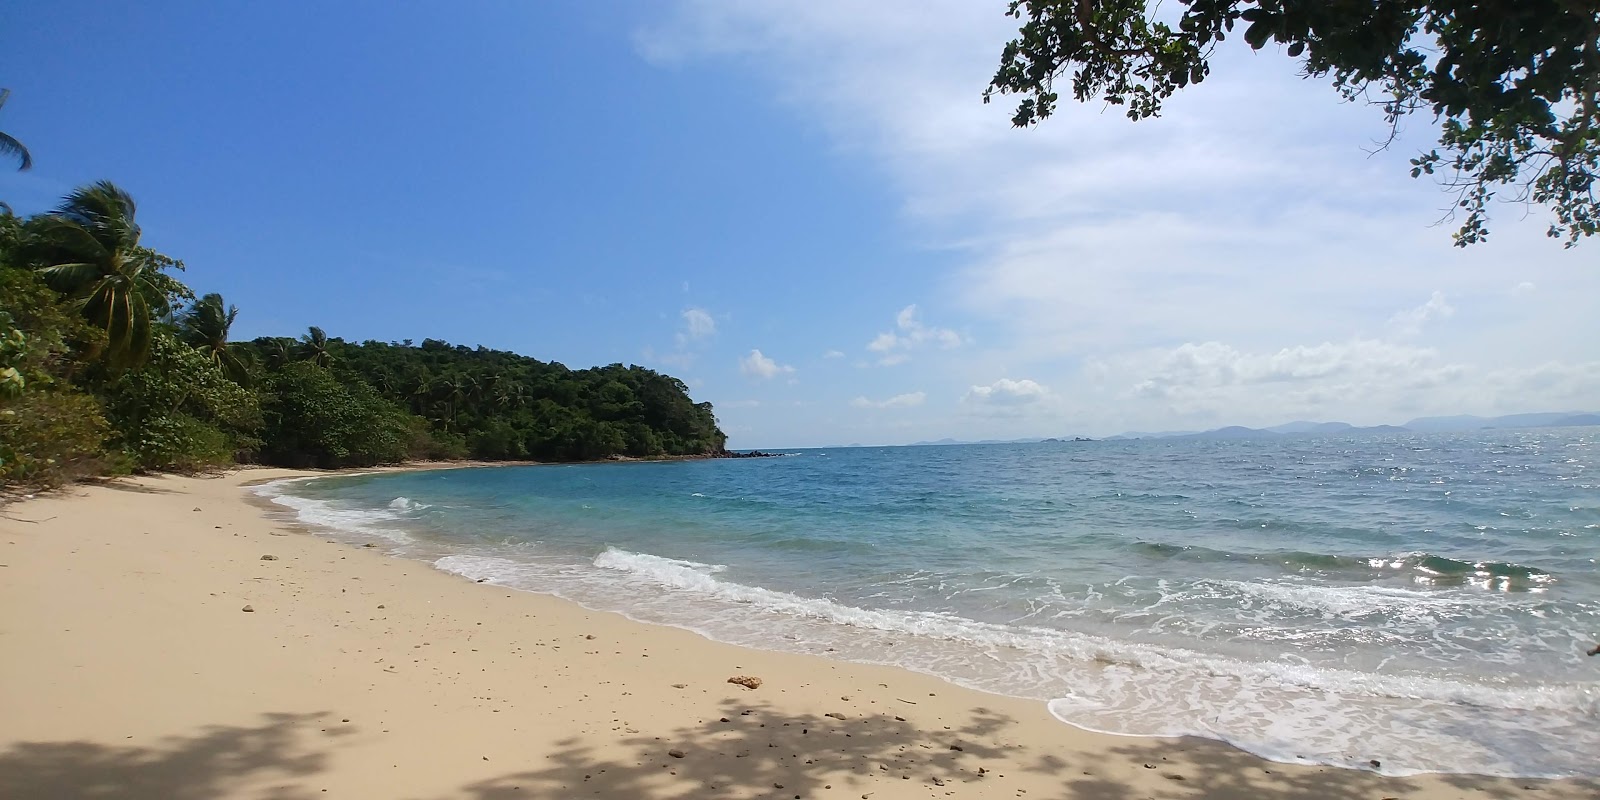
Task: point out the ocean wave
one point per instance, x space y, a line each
1423 568
330 515
1058 644
407 504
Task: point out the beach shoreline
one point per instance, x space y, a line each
133 669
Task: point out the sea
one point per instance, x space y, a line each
1404 603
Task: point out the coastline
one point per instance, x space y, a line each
132 671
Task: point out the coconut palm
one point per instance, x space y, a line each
90 250
279 352
205 326
314 347
9 146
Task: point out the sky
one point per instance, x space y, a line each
802 209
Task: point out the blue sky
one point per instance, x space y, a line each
803 210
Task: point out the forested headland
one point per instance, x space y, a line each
110 363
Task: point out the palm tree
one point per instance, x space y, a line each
90 246
314 347
9 146
205 326
279 352
420 391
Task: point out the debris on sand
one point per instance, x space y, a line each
747 681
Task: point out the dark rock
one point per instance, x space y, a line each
675 753
269 558
834 714
247 609
737 454
1375 763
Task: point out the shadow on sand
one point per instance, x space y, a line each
745 749
204 765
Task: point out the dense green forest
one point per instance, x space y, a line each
109 363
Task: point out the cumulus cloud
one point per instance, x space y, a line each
698 324
1107 257
1525 287
757 365
1411 321
698 327
908 400
910 333
833 354
1006 392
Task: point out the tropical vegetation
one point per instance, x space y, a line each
111 364
1513 85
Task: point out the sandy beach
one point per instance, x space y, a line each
165 637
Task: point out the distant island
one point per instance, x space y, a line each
1464 422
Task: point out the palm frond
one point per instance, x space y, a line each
11 148
106 211
65 235
72 278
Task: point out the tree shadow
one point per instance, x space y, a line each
196 767
1200 769
749 749
125 485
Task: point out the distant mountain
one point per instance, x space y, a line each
1467 422
1310 427
1030 440
1381 429
1577 421
1148 435
1232 432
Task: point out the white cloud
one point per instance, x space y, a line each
1411 321
908 400
1006 392
757 365
909 334
698 324
1234 233
698 328
833 354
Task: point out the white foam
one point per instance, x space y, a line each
332 516
407 504
1058 644
484 569
1291 711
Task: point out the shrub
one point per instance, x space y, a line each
50 437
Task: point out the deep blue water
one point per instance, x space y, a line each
1423 600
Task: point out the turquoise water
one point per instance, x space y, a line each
1424 601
